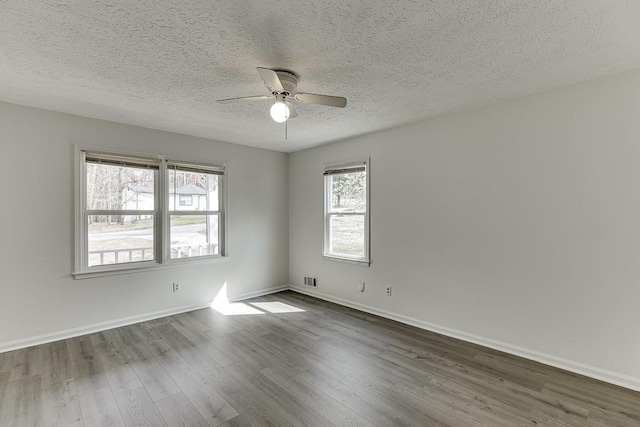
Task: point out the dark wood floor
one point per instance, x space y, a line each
326 365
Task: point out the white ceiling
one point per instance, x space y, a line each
162 63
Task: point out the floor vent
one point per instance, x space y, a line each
311 281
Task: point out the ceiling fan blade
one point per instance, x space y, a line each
271 79
244 98
292 111
331 101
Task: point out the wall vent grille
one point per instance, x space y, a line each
311 281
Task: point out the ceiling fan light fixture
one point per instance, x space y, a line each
279 112
282 86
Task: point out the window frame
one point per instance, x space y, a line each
220 213
161 214
327 194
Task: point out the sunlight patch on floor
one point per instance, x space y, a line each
276 307
235 309
222 305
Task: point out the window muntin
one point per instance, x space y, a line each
346 225
130 208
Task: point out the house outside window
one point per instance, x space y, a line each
346 212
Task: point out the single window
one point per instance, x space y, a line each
122 211
185 200
346 212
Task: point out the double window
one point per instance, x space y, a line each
135 212
346 212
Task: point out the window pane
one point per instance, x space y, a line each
347 235
194 235
118 239
201 189
112 187
348 192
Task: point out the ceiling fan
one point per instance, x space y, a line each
282 85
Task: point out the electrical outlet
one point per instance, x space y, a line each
388 290
176 286
361 287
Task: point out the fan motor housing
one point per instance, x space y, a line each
288 79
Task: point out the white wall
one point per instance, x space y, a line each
38 295
517 222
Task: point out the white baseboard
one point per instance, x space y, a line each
96 327
611 377
258 293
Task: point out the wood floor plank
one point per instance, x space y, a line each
334 411
218 323
126 336
138 409
238 421
620 408
27 362
356 400
144 332
204 397
99 409
61 406
154 378
56 364
293 408
4 382
197 323
177 411
281 356
380 368
507 402
242 345
384 397
248 401
291 325
4 395
88 371
22 403
611 419
447 409
252 324
208 344
119 372
180 343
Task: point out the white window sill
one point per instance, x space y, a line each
141 269
360 262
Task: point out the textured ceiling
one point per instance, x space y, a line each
162 63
